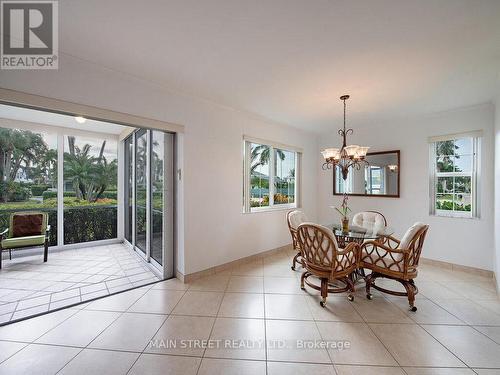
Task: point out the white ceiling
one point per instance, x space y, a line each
56 119
290 60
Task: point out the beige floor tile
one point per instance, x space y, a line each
472 347
249 269
287 306
368 370
379 310
411 345
92 361
474 289
490 331
131 331
117 302
38 359
287 368
438 371
428 312
364 348
157 301
287 339
210 366
175 335
337 309
242 305
153 364
486 371
171 284
31 329
435 290
282 285
238 338
199 303
279 270
214 283
80 329
470 312
249 284
9 348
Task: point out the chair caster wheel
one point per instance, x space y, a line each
350 297
322 304
369 296
413 308
293 268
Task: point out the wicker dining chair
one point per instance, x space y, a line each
393 259
294 219
369 219
323 259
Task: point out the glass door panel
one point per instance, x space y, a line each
141 189
90 171
129 151
157 189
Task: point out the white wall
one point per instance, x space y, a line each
461 241
496 228
215 229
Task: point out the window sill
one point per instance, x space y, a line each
454 216
271 209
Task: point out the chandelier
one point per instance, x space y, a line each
352 156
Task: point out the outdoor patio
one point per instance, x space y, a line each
29 287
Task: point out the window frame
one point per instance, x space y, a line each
247 141
475 175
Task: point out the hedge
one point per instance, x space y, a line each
37 190
81 224
53 194
85 224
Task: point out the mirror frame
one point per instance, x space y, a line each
398 153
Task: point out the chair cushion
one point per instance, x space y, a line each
386 261
27 225
410 233
11 243
368 220
296 218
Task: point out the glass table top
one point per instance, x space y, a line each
361 232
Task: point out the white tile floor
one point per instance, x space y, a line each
455 331
28 286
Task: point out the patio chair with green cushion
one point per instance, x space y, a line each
26 229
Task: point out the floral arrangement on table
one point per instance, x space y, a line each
344 210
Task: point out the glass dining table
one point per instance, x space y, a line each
358 234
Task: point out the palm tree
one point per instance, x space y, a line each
261 154
19 149
90 175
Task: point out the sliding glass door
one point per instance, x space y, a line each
150 183
128 195
141 189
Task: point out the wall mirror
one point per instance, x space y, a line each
380 177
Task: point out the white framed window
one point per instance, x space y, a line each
455 174
271 176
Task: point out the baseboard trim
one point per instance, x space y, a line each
226 266
239 262
458 267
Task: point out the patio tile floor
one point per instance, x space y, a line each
28 286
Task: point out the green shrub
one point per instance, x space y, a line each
53 194
37 190
109 194
16 192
